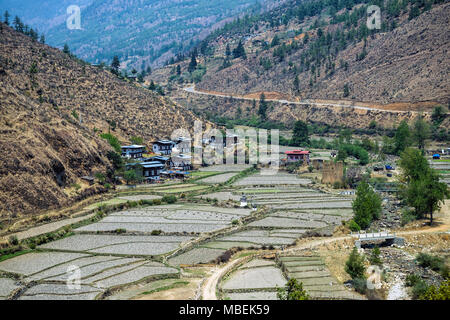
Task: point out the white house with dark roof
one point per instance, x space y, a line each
163 147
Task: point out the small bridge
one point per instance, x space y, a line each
384 236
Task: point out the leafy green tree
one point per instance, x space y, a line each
300 134
115 65
402 138
113 141
439 114
366 206
421 132
130 176
421 187
354 265
293 291
115 159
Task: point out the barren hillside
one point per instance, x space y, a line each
409 63
52 109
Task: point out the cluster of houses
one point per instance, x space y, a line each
170 159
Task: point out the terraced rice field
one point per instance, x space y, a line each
277 179
170 219
221 178
226 168
256 280
196 256
315 277
52 270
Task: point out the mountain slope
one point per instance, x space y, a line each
52 109
138 31
406 64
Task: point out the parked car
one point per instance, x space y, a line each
389 167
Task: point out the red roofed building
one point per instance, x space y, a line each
297 155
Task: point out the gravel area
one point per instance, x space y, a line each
256 278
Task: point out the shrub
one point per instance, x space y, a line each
419 289
156 202
169 199
235 222
360 285
441 293
355 265
354 226
434 263
412 279
156 232
120 231
183 195
13 240
113 141
375 256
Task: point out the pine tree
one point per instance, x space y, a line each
296 84
179 70
7 15
42 39
66 49
115 65
239 51
193 64
228 51
262 106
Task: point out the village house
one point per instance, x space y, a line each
297 155
183 145
149 170
133 151
163 147
181 162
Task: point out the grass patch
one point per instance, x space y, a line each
110 202
15 254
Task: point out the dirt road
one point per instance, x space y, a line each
305 102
